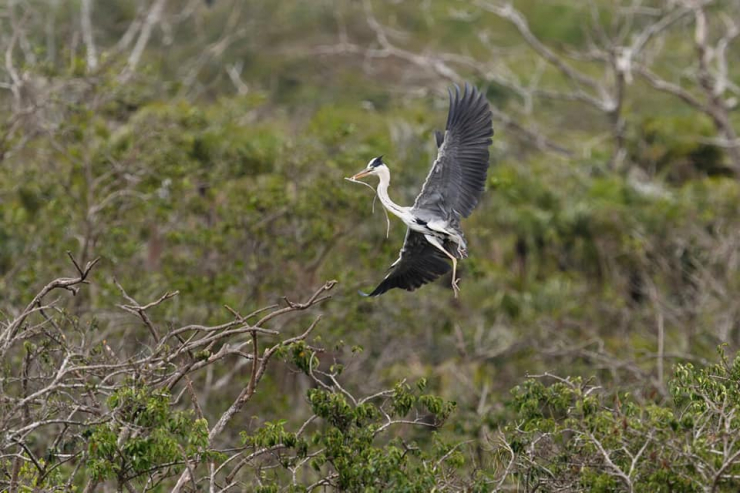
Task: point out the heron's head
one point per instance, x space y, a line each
374 167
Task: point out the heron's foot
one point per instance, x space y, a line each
462 251
455 287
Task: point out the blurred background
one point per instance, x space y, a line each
201 146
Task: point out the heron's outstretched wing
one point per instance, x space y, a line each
458 175
420 262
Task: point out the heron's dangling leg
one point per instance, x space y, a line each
444 228
462 251
462 248
434 241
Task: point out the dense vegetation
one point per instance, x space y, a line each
180 255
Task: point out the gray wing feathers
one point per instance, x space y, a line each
439 138
420 263
458 175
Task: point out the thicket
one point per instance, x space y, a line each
197 186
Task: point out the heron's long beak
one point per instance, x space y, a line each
361 174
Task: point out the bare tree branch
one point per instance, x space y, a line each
87 35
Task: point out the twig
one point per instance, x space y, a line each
387 219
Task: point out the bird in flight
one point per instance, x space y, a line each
451 192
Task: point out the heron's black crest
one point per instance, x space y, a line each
376 162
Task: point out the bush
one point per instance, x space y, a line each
570 435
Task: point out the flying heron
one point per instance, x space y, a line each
450 192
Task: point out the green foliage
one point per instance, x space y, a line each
272 435
145 437
345 443
39 476
575 268
676 147
569 434
303 357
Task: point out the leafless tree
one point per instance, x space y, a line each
65 371
600 76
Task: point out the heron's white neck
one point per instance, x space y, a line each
385 179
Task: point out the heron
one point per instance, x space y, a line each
434 237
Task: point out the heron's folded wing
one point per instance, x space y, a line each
458 175
420 262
